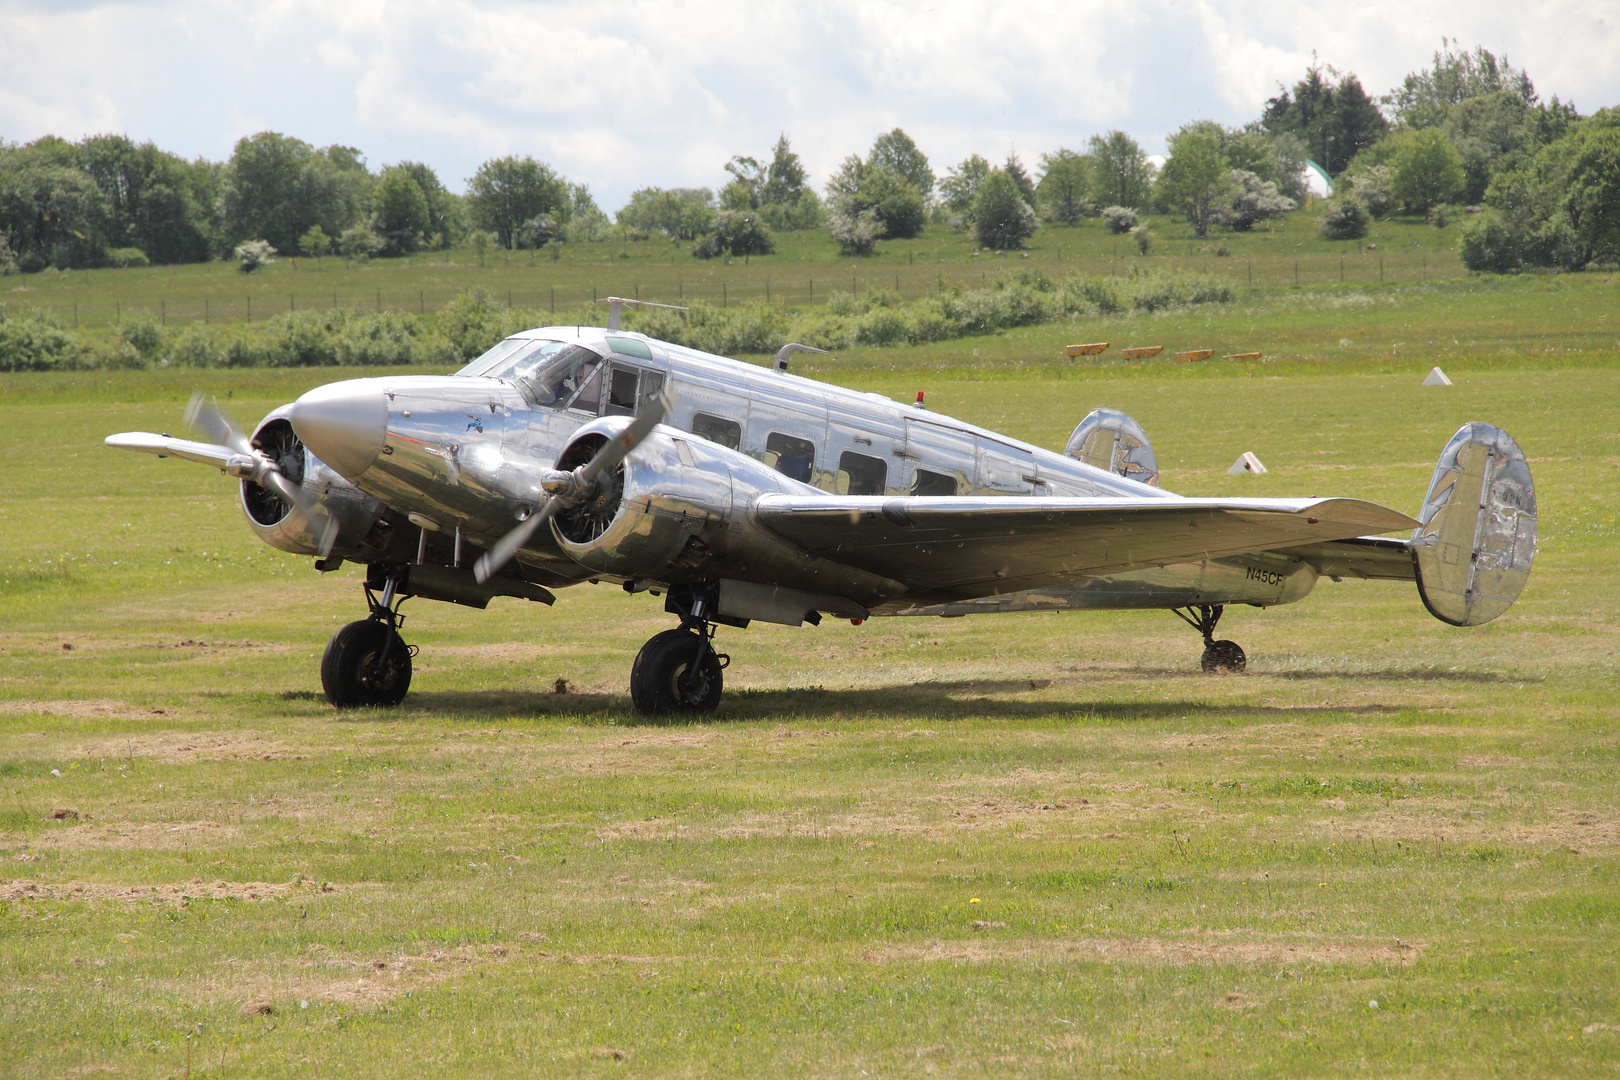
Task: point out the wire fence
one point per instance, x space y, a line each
549 289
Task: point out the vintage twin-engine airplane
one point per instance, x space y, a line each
739 493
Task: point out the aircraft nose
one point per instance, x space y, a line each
344 424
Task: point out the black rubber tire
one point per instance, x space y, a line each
351 673
656 683
1223 657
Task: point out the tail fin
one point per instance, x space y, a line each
1477 536
1109 440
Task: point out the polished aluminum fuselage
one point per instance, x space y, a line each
467 453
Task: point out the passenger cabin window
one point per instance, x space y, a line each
622 392
861 475
792 457
932 483
717 429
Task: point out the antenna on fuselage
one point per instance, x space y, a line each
616 302
782 354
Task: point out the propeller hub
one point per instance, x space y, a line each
344 424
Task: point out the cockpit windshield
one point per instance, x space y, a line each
547 372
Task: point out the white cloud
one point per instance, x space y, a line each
623 93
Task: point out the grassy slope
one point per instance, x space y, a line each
1026 845
805 268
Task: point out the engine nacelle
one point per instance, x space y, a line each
679 510
364 528
646 512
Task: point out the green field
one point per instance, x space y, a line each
805 269
1021 846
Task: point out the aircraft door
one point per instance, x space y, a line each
866 450
935 460
1005 469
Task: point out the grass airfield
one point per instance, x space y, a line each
1020 846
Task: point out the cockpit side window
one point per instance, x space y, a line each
549 373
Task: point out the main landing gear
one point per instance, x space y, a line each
1219 656
367 663
678 671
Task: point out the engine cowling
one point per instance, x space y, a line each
680 510
646 512
364 528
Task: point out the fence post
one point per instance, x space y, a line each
421 301
250 309
1380 266
205 311
725 300
554 299
1296 271
163 313
1341 267
76 309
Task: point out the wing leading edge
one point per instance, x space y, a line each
959 548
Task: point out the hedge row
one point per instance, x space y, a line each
473 321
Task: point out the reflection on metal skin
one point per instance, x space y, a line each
343 424
1477 533
1262 580
1108 439
362 521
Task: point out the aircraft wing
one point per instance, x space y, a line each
145 442
966 547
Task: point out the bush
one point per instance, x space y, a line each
359 242
124 258
254 254
1162 292
474 320
1119 219
1345 219
1428 170
1252 200
855 232
1144 238
1002 220
35 341
143 334
735 232
1372 186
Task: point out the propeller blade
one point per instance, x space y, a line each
491 561
617 449
204 414
606 458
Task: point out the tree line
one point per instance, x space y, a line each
1468 131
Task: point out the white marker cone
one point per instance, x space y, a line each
1248 463
1436 377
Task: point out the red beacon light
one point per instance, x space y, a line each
919 403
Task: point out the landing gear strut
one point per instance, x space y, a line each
678 671
1219 656
367 663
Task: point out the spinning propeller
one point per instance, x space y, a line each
570 488
205 415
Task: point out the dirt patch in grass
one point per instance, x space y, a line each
178 893
151 836
72 709
321 977
181 746
1152 951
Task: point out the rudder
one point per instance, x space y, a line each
1477 537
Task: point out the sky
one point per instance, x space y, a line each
622 94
